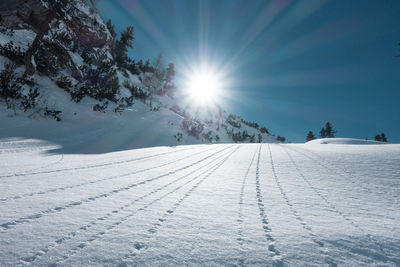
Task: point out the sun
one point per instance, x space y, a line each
204 88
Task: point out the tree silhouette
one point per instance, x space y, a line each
328 131
310 136
383 137
121 46
322 133
281 139
170 72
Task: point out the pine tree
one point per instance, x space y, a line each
281 139
147 67
10 85
111 28
322 133
158 67
170 72
383 137
264 130
158 62
121 46
329 131
127 37
378 138
140 66
310 136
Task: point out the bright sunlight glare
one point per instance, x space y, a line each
204 88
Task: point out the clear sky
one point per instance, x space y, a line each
290 65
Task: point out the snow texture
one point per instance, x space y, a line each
344 141
212 205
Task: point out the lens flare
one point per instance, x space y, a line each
203 87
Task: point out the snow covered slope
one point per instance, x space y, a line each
83 130
344 141
137 126
60 60
224 204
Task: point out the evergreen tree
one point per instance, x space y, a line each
158 68
310 136
322 133
329 131
281 139
147 67
127 37
264 130
140 65
158 62
121 46
383 137
170 72
154 81
132 66
111 28
10 85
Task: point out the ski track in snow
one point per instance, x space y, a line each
72 204
263 216
375 255
105 179
240 219
320 244
99 234
327 202
355 182
154 229
92 166
279 207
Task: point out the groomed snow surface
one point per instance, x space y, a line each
213 205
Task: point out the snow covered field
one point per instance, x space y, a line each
241 204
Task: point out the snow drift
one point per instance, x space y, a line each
344 141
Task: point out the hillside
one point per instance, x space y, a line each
344 141
64 71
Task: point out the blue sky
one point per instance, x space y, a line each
290 65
